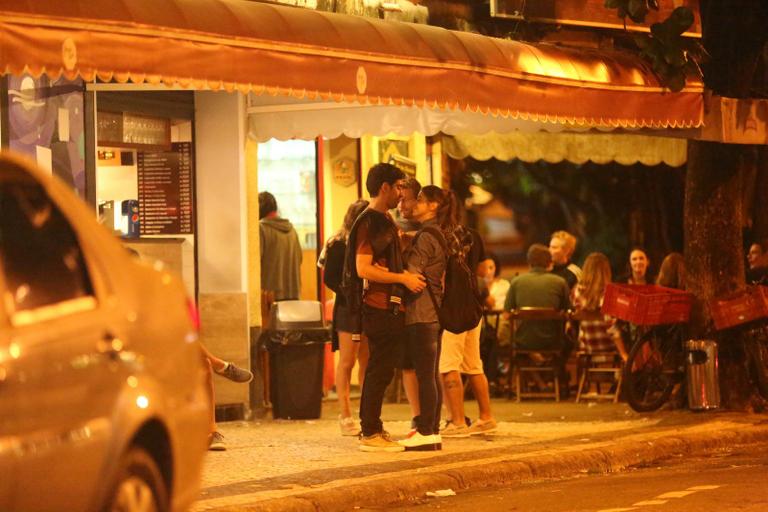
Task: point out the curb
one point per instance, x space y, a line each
396 490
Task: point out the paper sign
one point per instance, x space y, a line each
63 124
44 158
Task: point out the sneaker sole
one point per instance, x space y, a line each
349 433
214 448
381 449
455 436
431 447
481 432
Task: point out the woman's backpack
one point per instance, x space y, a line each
460 310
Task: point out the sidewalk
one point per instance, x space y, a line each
279 465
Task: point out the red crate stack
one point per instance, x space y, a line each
740 307
646 304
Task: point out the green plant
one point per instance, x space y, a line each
672 56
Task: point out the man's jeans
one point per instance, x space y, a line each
384 331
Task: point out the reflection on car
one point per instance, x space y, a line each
104 403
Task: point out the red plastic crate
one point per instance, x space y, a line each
646 304
740 307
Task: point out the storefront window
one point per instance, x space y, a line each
288 169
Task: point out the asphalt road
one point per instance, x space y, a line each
727 481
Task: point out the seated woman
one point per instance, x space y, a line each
598 334
672 271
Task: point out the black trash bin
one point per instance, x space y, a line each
296 342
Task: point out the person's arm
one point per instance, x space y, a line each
366 269
510 304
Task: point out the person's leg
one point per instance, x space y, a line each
383 331
480 389
423 339
215 439
347 356
227 369
362 360
453 390
410 382
411 386
472 365
217 364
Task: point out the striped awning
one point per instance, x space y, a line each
238 45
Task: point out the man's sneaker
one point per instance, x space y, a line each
379 442
482 427
348 426
216 442
421 443
452 430
235 373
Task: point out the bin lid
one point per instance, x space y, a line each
296 314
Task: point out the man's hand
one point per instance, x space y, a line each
414 282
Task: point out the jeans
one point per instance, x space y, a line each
384 331
423 347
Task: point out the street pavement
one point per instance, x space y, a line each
306 465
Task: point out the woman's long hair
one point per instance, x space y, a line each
457 240
446 205
672 271
353 212
594 277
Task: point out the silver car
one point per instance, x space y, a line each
104 397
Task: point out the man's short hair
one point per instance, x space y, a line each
380 174
267 204
539 256
413 185
569 241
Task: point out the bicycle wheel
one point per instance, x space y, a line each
652 369
757 349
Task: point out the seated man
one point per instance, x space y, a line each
539 288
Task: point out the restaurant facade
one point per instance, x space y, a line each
169 118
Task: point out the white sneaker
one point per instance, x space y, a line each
421 443
349 426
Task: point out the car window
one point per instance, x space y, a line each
41 259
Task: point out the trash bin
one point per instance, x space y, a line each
296 341
703 386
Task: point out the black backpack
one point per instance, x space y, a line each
461 310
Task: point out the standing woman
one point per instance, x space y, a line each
427 256
345 339
598 334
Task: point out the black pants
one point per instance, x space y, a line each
423 346
384 331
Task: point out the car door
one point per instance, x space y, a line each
63 372
7 409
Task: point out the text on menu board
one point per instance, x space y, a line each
165 190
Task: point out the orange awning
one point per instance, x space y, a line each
267 48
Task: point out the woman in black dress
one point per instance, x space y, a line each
349 343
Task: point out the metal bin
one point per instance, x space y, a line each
703 386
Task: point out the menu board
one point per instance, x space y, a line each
165 190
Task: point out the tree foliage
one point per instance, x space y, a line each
672 56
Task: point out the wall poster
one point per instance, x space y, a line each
46 122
